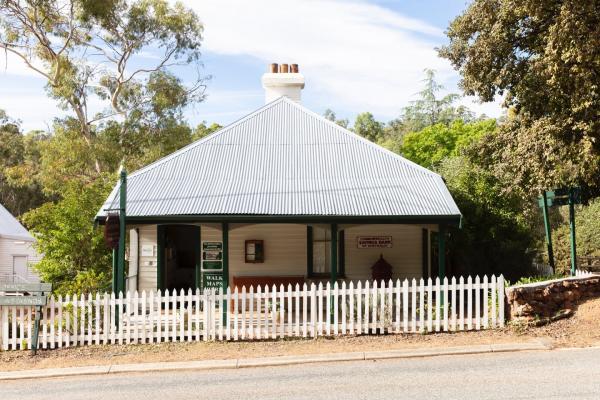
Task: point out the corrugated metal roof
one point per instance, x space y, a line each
284 160
11 228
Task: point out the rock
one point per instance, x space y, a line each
569 295
567 305
524 310
538 295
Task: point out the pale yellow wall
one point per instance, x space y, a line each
285 250
404 256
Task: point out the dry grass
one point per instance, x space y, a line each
583 329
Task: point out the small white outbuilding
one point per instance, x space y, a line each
17 254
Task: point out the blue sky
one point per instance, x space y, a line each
356 56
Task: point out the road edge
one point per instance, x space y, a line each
272 361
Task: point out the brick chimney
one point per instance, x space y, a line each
283 80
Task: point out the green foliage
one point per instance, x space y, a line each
85 50
202 130
587 232
495 237
543 56
433 144
366 126
427 111
19 154
430 109
75 256
330 115
536 278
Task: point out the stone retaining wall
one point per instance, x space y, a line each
547 299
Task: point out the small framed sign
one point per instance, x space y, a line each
374 242
255 251
147 250
212 255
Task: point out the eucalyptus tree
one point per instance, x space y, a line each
120 53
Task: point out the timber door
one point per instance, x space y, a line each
20 270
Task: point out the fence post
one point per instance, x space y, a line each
470 302
486 304
477 303
501 299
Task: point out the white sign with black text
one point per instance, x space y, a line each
374 242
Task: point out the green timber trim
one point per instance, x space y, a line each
342 254
449 220
442 252
309 251
198 259
334 255
122 232
425 253
548 231
572 235
225 232
160 257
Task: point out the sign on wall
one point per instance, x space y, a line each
147 250
212 265
212 280
374 242
212 255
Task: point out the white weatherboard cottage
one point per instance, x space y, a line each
17 254
281 196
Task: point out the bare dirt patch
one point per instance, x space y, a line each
583 329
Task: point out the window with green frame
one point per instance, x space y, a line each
319 252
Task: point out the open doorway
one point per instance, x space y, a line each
181 256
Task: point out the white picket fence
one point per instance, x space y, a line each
579 273
261 313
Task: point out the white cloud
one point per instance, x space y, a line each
35 111
13 65
30 104
491 109
355 56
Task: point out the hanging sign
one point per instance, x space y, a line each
374 242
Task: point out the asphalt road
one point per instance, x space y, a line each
559 374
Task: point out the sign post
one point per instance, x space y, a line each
572 201
561 197
36 297
544 206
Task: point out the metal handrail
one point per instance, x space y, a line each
13 278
